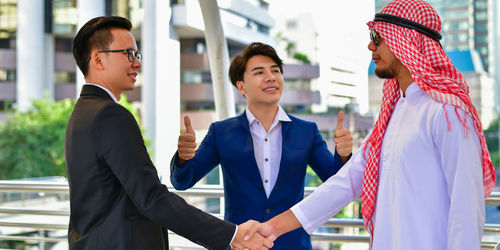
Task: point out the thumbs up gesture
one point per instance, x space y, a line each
186 144
343 139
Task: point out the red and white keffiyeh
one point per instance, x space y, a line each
434 73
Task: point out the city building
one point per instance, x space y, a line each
340 80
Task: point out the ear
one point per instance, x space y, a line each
96 60
241 87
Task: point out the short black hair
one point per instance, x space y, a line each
95 34
239 62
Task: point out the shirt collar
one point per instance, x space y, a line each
105 89
411 90
280 116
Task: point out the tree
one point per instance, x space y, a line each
302 57
491 135
32 142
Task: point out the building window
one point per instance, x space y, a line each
64 77
5 43
298 84
195 77
63 44
8 18
197 106
7 75
6 105
65 17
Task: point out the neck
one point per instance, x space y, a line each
102 83
404 79
264 113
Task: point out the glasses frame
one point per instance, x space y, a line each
131 54
375 37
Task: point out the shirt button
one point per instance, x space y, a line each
266 159
266 181
265 139
268 211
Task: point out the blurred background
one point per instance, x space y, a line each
327 69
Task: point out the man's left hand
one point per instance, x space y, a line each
343 139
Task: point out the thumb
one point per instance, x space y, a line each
340 120
187 123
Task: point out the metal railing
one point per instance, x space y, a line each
199 191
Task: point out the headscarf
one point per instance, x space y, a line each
432 71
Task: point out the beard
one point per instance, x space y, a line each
389 72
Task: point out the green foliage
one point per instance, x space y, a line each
302 57
32 143
491 135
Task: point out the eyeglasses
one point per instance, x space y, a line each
375 37
132 54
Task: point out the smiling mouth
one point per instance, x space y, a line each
272 89
133 76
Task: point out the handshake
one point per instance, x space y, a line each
254 235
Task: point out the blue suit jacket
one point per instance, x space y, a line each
229 143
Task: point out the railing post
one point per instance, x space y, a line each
41 244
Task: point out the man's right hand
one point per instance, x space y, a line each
253 235
186 144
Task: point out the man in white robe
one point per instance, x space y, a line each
424 171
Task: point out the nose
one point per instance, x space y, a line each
372 46
136 64
270 76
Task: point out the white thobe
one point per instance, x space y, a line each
430 190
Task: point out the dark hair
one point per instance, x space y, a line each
239 62
95 34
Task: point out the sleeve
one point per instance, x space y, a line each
460 153
322 161
205 159
334 194
121 146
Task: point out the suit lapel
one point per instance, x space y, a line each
242 119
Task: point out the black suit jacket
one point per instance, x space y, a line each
116 198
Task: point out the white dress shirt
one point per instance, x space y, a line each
267 147
430 192
105 89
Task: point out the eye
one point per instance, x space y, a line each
258 73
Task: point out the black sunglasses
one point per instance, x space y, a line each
131 54
375 37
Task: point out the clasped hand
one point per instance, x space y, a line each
253 235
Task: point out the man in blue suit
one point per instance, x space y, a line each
264 152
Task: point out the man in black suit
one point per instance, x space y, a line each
116 198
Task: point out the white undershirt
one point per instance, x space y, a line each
267 147
105 89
